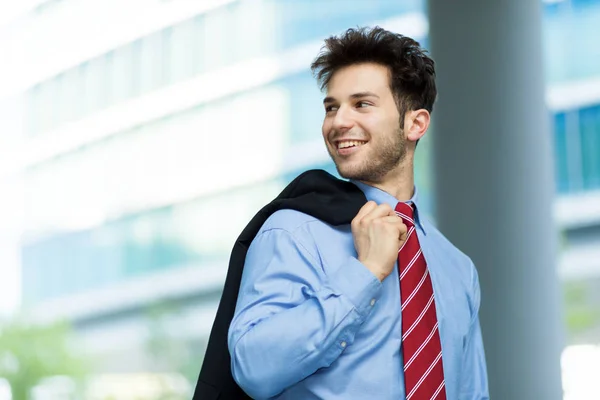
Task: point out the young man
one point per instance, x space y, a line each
383 308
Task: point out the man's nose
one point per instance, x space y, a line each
343 119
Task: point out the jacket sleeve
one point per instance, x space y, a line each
291 319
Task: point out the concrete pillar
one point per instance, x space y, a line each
494 185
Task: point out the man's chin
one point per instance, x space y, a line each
358 174
350 173
350 169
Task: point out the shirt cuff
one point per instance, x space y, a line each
354 281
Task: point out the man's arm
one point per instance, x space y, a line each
291 319
474 384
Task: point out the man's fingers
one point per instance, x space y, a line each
403 234
397 223
365 210
382 210
392 219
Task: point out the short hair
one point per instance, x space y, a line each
412 71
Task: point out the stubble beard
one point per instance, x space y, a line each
385 157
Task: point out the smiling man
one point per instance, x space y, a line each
382 308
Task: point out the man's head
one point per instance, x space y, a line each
380 92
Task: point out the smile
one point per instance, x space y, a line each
349 143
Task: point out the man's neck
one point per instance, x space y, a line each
400 182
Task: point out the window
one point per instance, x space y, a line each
254 34
181 59
589 123
120 73
570 40
136 67
219 46
93 81
34 107
70 99
166 55
577 149
151 71
560 151
46 107
198 47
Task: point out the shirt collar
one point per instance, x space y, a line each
379 196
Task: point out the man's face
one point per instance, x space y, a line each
362 124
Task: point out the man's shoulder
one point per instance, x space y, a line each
288 220
450 250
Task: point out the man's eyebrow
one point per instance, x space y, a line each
363 94
353 96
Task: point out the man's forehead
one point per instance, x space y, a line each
359 78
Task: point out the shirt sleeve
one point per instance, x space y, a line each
474 383
291 319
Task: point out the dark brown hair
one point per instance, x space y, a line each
412 72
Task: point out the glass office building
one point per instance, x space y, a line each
151 134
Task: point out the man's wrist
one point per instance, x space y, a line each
374 269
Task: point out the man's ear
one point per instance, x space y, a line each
416 123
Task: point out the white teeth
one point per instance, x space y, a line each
349 143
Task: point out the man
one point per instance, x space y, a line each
383 308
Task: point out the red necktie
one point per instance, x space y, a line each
421 346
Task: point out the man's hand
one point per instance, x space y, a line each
378 234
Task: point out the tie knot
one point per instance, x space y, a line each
406 212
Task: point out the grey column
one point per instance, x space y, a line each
494 186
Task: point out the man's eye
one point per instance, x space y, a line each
362 104
330 108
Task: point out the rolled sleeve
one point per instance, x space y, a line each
354 281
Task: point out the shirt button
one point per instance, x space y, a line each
372 302
343 344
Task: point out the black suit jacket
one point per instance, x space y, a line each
314 192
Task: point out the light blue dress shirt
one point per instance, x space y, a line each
312 322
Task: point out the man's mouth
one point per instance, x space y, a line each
345 144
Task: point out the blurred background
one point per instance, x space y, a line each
137 139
